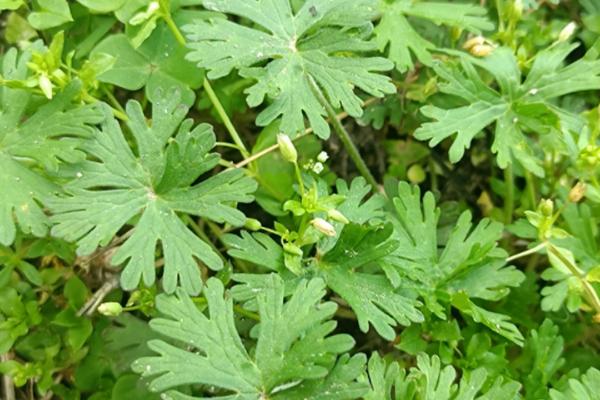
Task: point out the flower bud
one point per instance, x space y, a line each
46 85
323 226
252 224
287 148
547 207
577 192
481 50
517 9
110 309
477 40
337 216
597 318
567 32
292 249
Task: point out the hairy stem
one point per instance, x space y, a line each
8 386
344 136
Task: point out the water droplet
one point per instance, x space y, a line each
79 174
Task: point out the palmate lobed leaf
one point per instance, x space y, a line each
294 358
518 107
469 264
309 46
395 33
155 185
33 144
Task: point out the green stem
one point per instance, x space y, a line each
500 16
527 252
531 189
587 286
174 28
225 118
343 135
299 178
509 199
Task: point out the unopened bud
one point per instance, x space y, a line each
547 207
323 226
518 8
337 216
597 318
567 32
292 249
252 224
287 148
46 85
577 192
110 309
477 40
481 50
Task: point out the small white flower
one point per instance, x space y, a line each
323 156
323 226
567 32
317 168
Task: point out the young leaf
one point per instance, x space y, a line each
257 248
469 264
294 356
515 108
394 29
320 43
116 186
47 138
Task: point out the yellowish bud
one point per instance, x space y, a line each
577 192
481 50
474 41
323 226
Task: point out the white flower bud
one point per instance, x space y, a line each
567 32
110 309
287 148
152 7
323 157
323 226
337 216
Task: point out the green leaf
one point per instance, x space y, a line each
158 64
470 262
371 296
395 32
320 42
10 4
429 380
257 248
103 6
48 137
49 14
518 106
586 388
294 356
543 353
116 186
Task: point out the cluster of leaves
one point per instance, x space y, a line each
182 216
